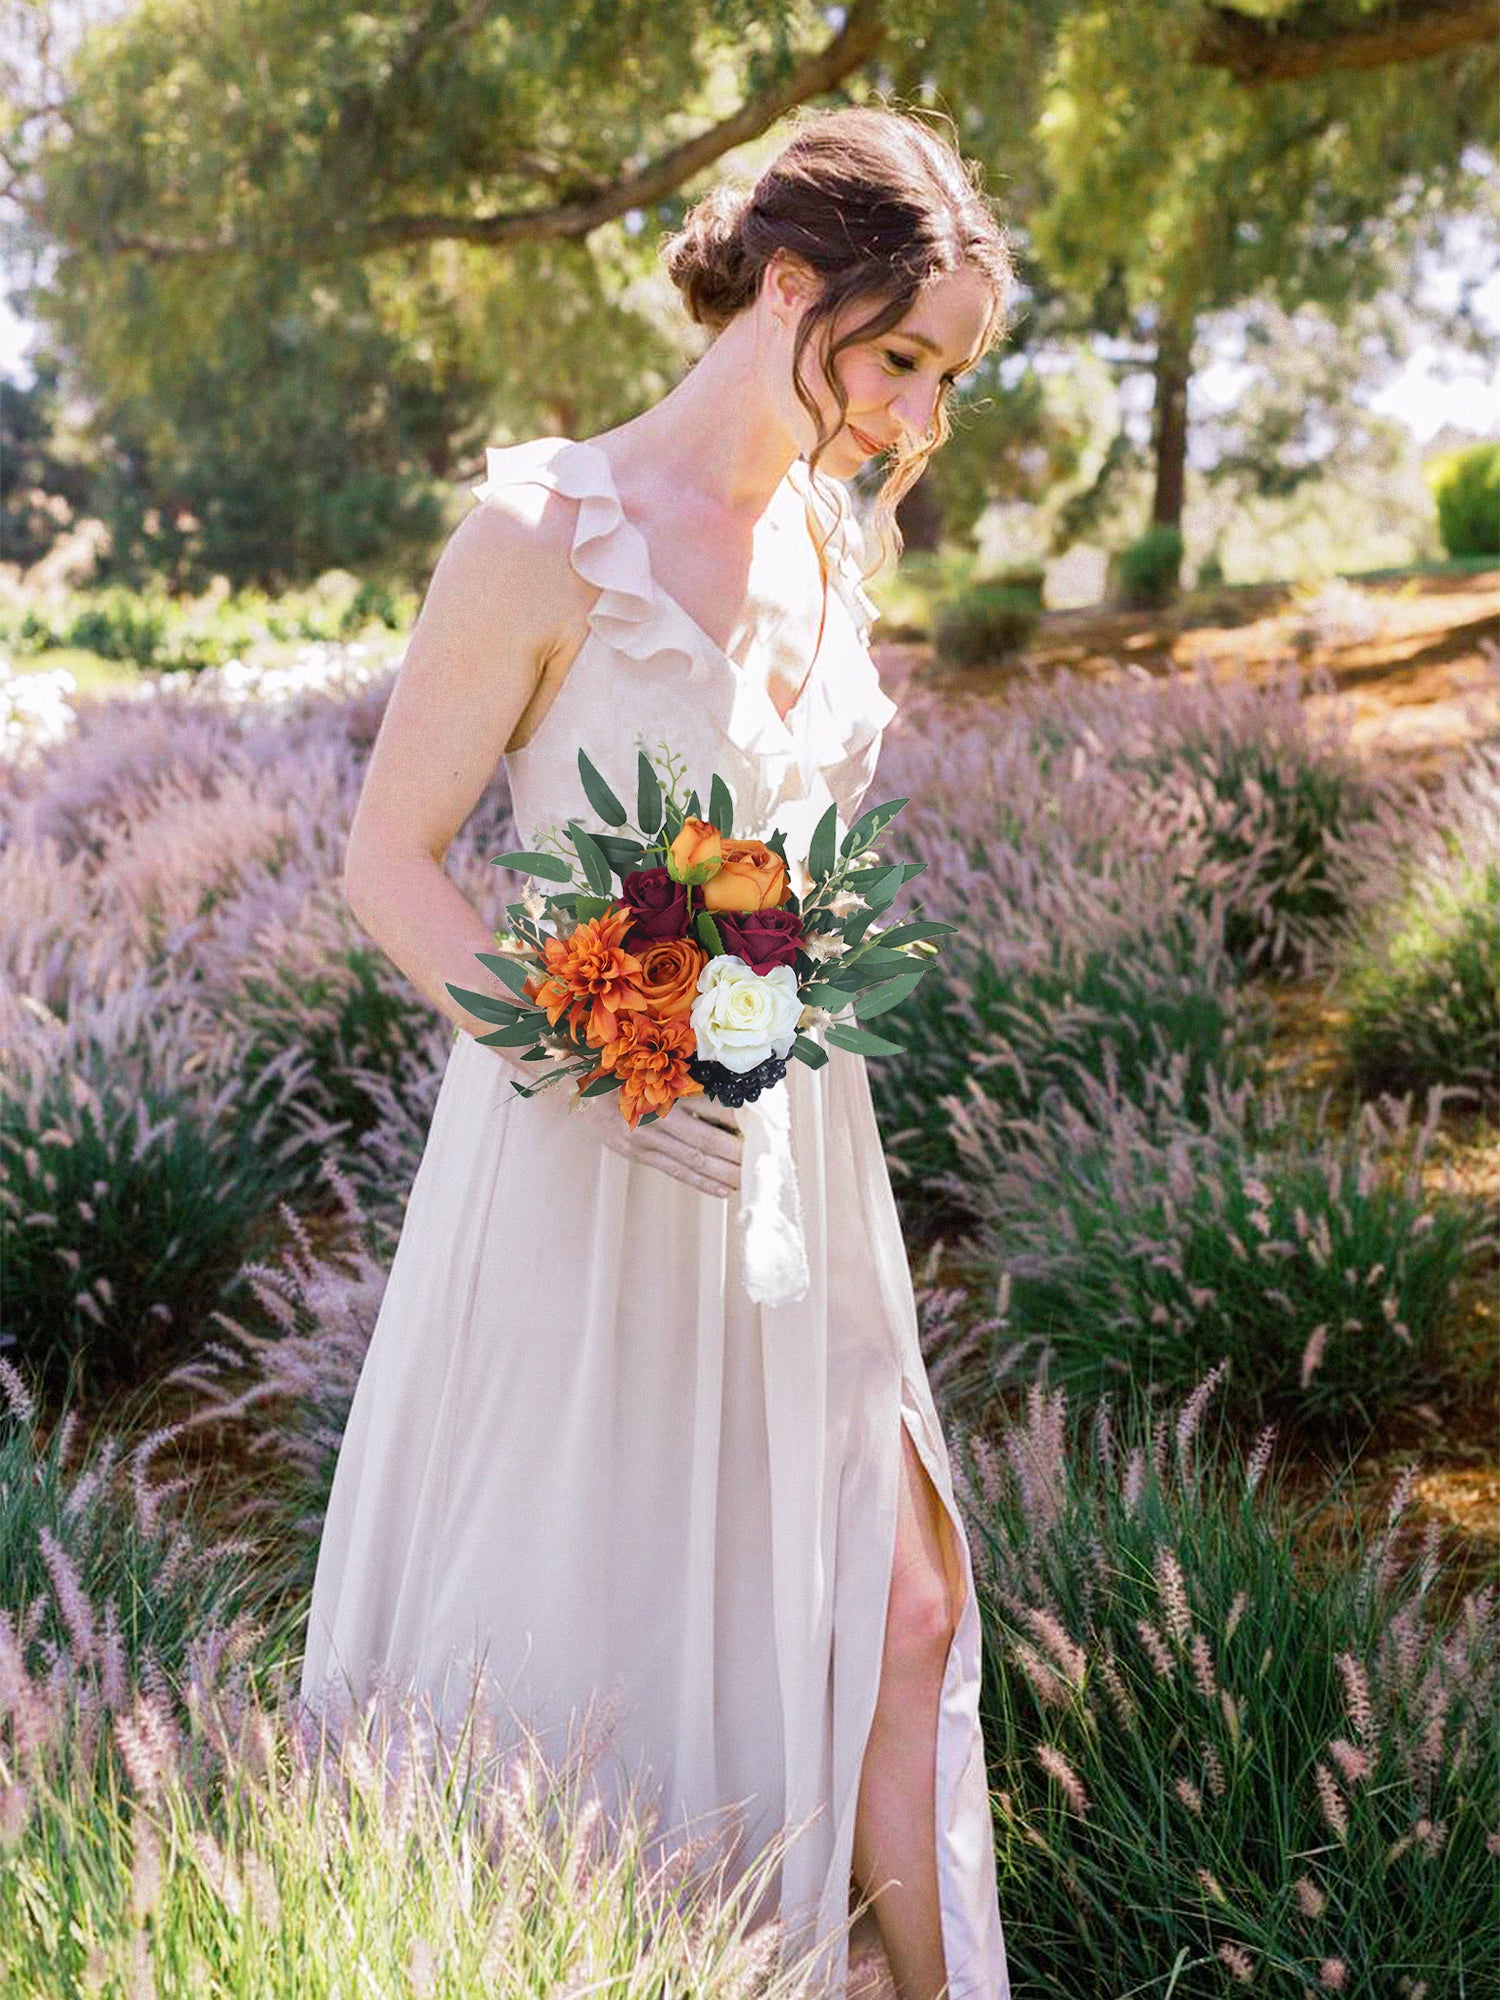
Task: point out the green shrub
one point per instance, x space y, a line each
1269 816
1215 1771
1023 1037
131 1193
988 621
1466 486
1133 1243
1424 1000
1147 570
304 986
1028 580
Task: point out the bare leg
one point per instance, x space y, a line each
895 1855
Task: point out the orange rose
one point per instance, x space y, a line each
696 852
591 978
668 978
651 1059
753 877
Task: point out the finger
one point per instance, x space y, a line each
690 1162
708 1140
701 1179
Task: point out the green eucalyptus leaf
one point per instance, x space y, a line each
551 867
820 848
883 890
600 1086
647 795
595 866
621 854
484 1006
599 795
808 1051
513 1037
720 806
869 825
891 994
510 970
860 1042
915 932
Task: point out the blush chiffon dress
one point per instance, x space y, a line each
591 1451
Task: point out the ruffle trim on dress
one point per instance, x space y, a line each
845 546
608 550
635 617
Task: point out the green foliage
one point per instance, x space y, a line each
1276 813
1466 486
1171 187
149 1587
987 622
349 1021
1148 570
1028 1036
149 628
1136 1244
1424 993
1210 1764
42 485
128 1203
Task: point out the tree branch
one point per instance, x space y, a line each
855 43
1265 51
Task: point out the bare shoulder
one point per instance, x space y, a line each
507 567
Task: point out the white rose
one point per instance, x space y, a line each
740 1017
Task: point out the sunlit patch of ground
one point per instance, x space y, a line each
1414 663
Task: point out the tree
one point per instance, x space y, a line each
292 252
298 247
1174 191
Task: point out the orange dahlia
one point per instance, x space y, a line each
651 1059
590 978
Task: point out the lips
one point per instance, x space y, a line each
869 443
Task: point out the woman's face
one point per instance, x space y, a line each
895 380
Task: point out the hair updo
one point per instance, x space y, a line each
878 203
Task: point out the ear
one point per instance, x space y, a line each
790 283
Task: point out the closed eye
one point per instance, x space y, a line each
905 363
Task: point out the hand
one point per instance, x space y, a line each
698 1142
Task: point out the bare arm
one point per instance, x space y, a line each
501 600
471 667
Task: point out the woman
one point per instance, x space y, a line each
582 1457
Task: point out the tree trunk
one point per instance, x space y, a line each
1174 353
919 517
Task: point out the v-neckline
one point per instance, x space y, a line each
725 658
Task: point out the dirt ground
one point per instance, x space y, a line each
1412 666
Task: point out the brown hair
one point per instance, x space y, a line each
878 203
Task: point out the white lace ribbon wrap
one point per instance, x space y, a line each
770 1209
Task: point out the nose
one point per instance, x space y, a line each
915 410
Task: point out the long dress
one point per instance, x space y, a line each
579 1454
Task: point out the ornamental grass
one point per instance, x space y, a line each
173 1819
1422 978
1212 1770
1127 1241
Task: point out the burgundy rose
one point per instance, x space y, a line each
658 906
762 938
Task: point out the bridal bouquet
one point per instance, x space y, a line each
701 972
